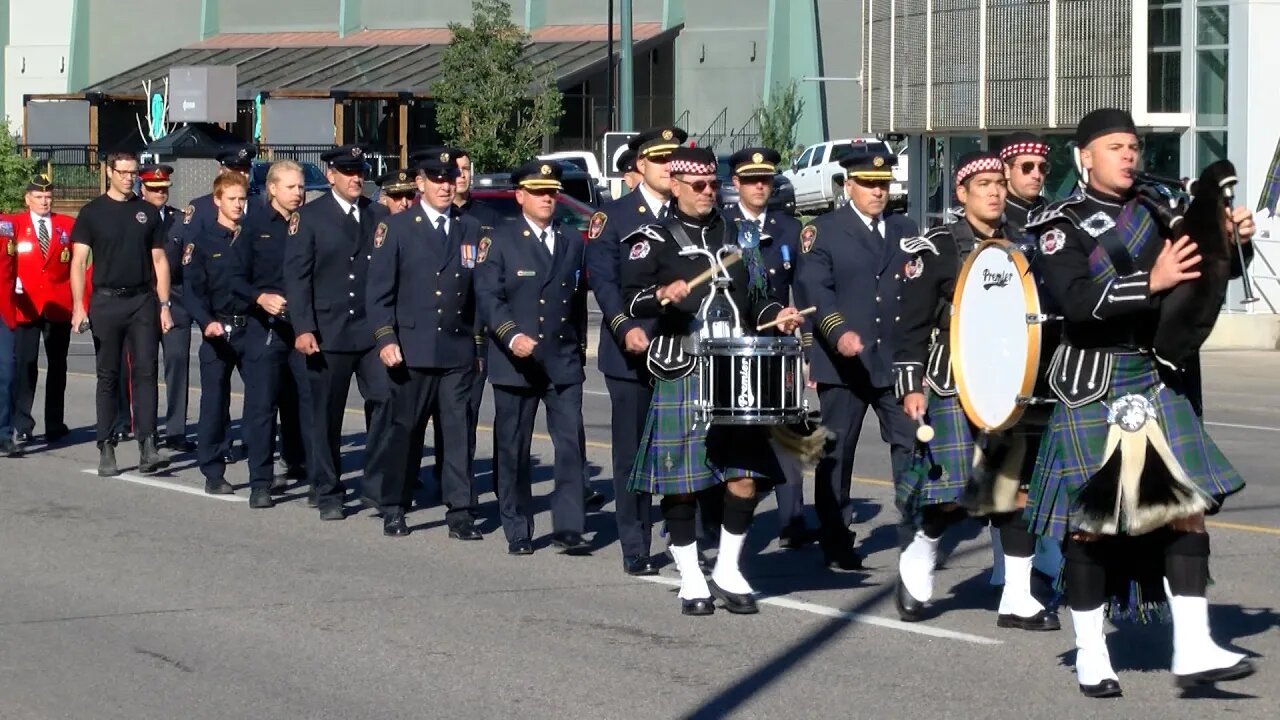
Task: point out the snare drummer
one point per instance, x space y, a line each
935 481
681 462
1126 472
1026 167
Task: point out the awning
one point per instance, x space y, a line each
370 61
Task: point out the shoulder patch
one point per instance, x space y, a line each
1052 241
187 252
6 229
914 268
293 223
380 235
640 250
482 250
186 214
807 237
916 245
596 227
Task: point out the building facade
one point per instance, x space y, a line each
37 53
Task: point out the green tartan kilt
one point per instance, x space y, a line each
938 471
676 459
1072 449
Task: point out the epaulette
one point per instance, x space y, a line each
1055 210
652 232
921 243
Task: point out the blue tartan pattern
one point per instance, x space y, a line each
1072 449
938 471
1136 227
676 459
1270 196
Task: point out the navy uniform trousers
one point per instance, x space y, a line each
516 409
218 358
273 375
329 374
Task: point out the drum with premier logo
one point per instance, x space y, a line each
1001 340
751 381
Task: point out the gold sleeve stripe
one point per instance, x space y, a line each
506 327
616 321
382 332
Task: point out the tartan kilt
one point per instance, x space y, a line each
939 471
1072 449
676 459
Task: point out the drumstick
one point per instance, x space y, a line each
707 274
924 433
776 322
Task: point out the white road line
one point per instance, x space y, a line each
164 485
1265 428
831 612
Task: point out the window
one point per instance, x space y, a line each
803 162
1161 154
1164 56
1211 145
1211 87
1212 33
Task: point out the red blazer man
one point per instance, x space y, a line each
44 280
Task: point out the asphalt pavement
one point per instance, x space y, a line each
141 598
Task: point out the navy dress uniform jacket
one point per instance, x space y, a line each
521 289
419 293
854 280
326 268
606 251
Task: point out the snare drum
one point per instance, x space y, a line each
1001 340
751 381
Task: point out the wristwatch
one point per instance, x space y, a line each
166 303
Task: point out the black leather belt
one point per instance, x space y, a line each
233 320
121 291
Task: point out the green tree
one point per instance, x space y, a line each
15 171
488 100
779 119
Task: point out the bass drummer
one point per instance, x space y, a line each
931 488
680 459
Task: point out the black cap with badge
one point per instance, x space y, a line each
538 175
438 163
397 183
755 162
657 142
867 163
348 158
238 157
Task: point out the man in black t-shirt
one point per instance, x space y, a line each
130 274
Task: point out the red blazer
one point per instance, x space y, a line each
45 281
8 273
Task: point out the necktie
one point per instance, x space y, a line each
542 239
43 233
351 215
444 234
664 212
875 229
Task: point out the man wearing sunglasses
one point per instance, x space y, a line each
850 268
327 250
623 339
1026 167
395 193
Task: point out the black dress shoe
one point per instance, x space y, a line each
179 444
794 536
1040 622
278 485
909 608
1242 669
22 437
638 566
593 500
56 432
332 513
1106 689
697 606
218 487
465 532
520 547
572 543
313 500
260 498
393 524
120 436
841 557
736 603
10 448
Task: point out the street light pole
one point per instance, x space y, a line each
626 74
608 79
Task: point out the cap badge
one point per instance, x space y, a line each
243 153
878 162
667 134
356 151
757 158
545 169
444 157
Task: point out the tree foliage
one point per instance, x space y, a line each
15 171
487 100
780 118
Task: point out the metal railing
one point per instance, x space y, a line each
386 160
75 169
716 131
747 135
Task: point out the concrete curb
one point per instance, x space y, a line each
1244 331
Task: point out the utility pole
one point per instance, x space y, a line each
608 123
626 73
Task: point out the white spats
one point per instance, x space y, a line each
997 557
727 575
915 566
1016 598
1093 662
1194 650
693 585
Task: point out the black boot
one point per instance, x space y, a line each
107 460
151 460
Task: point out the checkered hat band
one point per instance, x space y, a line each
1028 148
689 167
987 164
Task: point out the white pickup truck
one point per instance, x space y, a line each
819 180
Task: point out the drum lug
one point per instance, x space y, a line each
1038 318
1025 400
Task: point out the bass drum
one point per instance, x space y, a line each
1001 339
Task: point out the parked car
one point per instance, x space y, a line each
819 180
313 178
570 212
577 184
782 200
582 160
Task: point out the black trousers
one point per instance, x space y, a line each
516 409
294 395
633 512
117 323
272 370
417 395
329 377
218 358
843 410
475 396
176 345
57 340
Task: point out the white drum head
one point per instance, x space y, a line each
995 352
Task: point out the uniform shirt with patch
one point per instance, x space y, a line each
121 234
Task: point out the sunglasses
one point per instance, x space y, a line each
1028 166
700 186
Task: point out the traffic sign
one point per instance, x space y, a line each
614 145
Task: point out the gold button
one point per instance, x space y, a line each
896 318
539 319
877 298
439 310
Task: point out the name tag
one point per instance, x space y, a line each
25 246
525 273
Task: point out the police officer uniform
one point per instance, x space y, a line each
326 263
420 300
212 275
779 247
526 288
1019 211
850 267
629 383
